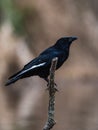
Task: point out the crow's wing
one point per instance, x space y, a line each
35 63
43 60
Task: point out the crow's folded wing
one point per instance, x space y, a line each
43 60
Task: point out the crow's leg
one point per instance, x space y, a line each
55 85
47 80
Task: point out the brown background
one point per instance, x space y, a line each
23 105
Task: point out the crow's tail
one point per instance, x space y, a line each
14 78
10 81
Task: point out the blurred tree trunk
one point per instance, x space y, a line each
16 49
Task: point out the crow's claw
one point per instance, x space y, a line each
55 87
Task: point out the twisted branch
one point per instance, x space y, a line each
52 90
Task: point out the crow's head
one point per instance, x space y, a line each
65 42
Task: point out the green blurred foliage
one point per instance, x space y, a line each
10 12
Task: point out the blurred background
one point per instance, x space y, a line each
26 28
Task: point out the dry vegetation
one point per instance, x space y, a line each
23 105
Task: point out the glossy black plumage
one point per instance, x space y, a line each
41 65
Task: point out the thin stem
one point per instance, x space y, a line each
52 90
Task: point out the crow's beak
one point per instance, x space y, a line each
74 38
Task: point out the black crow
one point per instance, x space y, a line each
40 66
